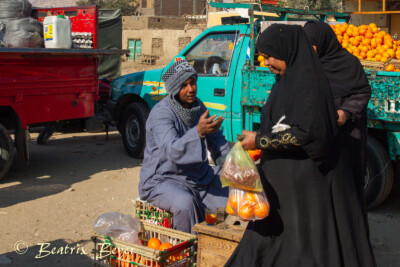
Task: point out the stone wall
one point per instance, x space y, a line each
178 7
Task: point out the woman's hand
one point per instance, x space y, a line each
342 118
249 142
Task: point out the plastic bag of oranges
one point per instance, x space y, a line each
247 205
240 171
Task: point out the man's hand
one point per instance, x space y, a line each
208 125
342 118
249 142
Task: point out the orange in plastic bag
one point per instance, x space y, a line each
240 171
247 205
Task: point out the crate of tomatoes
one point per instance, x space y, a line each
160 247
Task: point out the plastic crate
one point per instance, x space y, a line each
152 214
113 252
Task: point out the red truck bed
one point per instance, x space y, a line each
43 85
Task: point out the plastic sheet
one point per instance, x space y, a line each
25 24
14 9
26 32
120 226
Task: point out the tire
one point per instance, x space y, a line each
6 151
45 135
133 128
379 177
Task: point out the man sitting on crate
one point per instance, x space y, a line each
176 174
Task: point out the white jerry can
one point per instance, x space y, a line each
57 32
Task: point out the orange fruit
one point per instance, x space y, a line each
349 32
371 54
366 41
234 201
397 70
246 212
390 67
249 198
229 209
254 154
355 42
261 210
362 31
372 25
154 243
165 246
369 35
391 52
386 55
384 59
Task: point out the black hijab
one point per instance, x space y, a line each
302 93
344 71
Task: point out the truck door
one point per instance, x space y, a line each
213 59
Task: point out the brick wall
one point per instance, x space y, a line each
53 3
171 7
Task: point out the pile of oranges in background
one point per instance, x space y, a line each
367 42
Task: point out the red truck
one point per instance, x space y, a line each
40 85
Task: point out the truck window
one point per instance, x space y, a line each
212 55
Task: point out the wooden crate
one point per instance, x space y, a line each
216 243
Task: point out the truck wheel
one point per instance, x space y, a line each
45 135
379 177
6 151
133 129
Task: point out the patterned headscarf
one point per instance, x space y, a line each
173 78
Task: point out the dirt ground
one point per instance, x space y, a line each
74 178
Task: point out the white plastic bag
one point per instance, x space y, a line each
120 226
280 127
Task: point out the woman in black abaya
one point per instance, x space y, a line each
312 221
351 92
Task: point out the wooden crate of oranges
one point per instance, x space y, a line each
161 247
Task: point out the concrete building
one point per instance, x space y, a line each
159 36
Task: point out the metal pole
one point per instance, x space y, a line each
179 8
194 7
161 8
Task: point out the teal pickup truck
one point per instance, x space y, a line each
232 85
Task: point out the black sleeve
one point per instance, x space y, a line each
282 141
355 105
